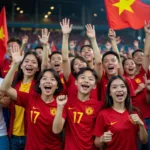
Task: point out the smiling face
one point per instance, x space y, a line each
129 67
111 65
29 65
138 58
56 62
86 82
87 54
118 91
48 84
78 64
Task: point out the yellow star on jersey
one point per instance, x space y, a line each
124 5
2 35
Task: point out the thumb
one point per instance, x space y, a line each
110 132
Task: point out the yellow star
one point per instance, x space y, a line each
2 35
124 5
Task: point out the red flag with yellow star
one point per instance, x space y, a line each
3 33
127 13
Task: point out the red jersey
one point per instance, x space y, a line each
103 87
4 67
62 78
142 72
139 100
124 131
80 119
72 89
41 115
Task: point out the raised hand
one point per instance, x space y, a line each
141 86
61 100
106 137
16 56
44 37
147 27
90 31
147 83
25 39
136 43
72 44
136 119
65 26
112 34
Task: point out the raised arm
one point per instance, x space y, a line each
98 58
146 61
25 39
66 29
112 36
59 121
46 48
7 82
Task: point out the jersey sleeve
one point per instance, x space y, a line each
100 125
64 115
23 99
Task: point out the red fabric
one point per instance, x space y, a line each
72 89
80 119
12 110
53 47
127 19
124 131
103 87
40 120
3 33
4 67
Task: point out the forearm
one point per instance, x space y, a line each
65 50
58 121
143 136
148 97
98 142
23 46
7 82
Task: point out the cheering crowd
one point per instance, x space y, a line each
85 101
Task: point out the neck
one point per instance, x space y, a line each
27 79
119 107
83 97
138 68
60 72
91 64
109 76
131 76
47 99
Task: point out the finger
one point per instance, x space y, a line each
60 24
93 27
71 26
68 22
39 37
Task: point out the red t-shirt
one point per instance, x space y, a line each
4 67
142 72
139 100
62 78
80 119
124 131
72 89
103 87
41 115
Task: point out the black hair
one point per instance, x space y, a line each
109 100
87 69
15 39
85 46
53 53
71 55
110 53
19 76
73 61
56 76
137 50
38 46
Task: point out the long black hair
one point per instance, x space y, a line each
73 62
56 76
19 75
109 100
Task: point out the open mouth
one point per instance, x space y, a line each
120 96
85 87
57 65
131 69
110 68
47 88
29 69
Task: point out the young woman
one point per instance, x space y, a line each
24 81
41 108
118 125
79 113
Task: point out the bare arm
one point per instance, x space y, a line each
146 47
24 43
66 29
91 34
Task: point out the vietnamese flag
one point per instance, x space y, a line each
127 13
3 33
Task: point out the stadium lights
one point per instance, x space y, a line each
18 8
95 15
46 16
48 12
21 11
52 7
